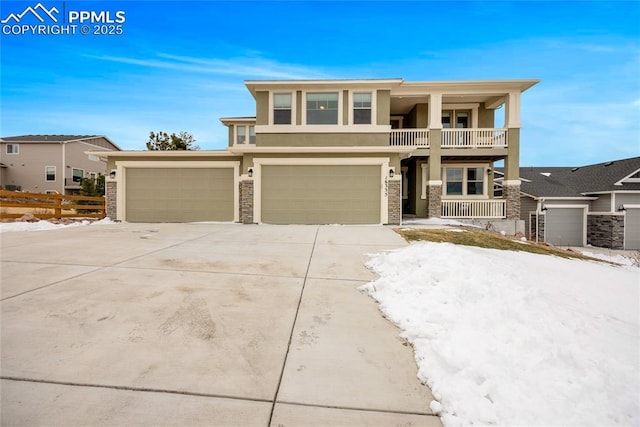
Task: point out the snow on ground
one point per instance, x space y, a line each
512 338
436 221
618 259
46 225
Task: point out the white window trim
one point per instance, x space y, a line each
319 161
272 106
340 107
6 150
374 104
474 107
55 174
247 134
465 166
121 179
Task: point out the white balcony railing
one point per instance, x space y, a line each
474 138
409 138
474 208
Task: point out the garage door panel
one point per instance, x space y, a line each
331 194
565 226
179 194
632 228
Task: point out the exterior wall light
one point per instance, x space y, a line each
489 171
112 174
392 172
621 208
250 172
543 208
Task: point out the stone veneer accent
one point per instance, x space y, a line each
246 202
434 201
394 202
111 190
511 193
605 230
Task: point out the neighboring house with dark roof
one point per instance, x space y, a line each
51 163
596 204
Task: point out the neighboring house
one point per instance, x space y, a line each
51 163
574 206
338 152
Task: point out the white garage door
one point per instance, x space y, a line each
565 226
179 194
320 194
632 228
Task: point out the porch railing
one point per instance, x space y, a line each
474 138
409 138
474 208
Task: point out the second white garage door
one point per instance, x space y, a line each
632 228
321 194
565 226
179 194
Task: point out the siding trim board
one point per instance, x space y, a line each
121 175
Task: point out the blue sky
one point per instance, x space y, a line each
180 65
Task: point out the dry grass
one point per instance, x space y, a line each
483 239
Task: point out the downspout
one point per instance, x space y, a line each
64 165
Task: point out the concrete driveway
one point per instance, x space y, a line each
201 324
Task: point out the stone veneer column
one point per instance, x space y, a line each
434 201
394 202
605 230
511 193
111 193
246 202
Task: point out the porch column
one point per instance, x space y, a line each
434 180
511 183
111 193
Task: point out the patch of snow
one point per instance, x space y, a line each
513 338
43 225
455 230
617 259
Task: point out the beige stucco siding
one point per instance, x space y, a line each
322 139
262 108
485 117
321 194
27 169
383 107
179 194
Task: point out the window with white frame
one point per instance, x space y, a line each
13 149
464 181
245 134
362 108
462 119
78 174
50 173
322 108
282 111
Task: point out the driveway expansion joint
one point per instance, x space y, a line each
352 408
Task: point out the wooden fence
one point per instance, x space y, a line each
45 206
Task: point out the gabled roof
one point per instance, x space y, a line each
52 139
579 181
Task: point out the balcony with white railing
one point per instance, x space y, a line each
474 138
409 138
493 208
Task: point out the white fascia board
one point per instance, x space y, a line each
568 198
232 120
338 84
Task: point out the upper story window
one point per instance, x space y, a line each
362 108
461 119
464 181
50 173
78 174
282 111
322 108
245 134
13 149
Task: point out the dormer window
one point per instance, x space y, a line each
322 108
282 108
362 108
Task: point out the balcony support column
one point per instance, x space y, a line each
511 183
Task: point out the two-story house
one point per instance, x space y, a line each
51 163
338 152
